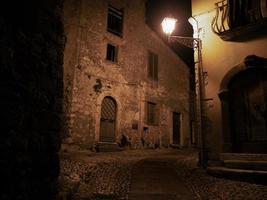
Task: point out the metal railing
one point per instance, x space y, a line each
231 14
220 22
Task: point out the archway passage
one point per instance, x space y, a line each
108 120
248 111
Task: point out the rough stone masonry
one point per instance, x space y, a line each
90 77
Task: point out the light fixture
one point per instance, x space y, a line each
168 25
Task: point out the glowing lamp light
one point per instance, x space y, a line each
168 25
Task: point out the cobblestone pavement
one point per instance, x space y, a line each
156 179
93 176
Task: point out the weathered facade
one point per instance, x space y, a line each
234 52
121 78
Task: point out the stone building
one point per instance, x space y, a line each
121 79
234 57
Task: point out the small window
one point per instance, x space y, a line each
151 113
112 53
115 18
153 66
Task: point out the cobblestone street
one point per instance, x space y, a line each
92 176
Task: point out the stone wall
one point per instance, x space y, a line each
93 77
31 59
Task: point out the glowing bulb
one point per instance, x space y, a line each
168 25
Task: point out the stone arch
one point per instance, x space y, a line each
229 76
251 61
227 97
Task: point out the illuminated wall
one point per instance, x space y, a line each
91 77
219 57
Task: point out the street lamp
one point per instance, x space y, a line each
168 26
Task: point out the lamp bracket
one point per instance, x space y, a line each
189 42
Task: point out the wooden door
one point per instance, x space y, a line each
176 128
108 120
248 110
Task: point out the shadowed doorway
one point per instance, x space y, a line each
247 108
176 128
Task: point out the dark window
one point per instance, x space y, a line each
115 18
153 65
151 113
112 53
244 12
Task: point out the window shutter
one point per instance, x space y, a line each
157 114
155 67
145 113
115 21
151 113
116 54
112 53
150 65
151 116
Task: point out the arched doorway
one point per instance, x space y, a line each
108 120
248 110
243 95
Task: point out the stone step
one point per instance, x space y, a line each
155 196
246 164
175 146
108 147
243 156
253 176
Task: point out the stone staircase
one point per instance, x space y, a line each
243 167
108 147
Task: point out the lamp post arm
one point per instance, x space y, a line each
189 42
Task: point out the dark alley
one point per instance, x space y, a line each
133 100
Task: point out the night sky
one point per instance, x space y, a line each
156 10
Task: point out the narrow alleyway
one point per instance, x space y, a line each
144 174
156 179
